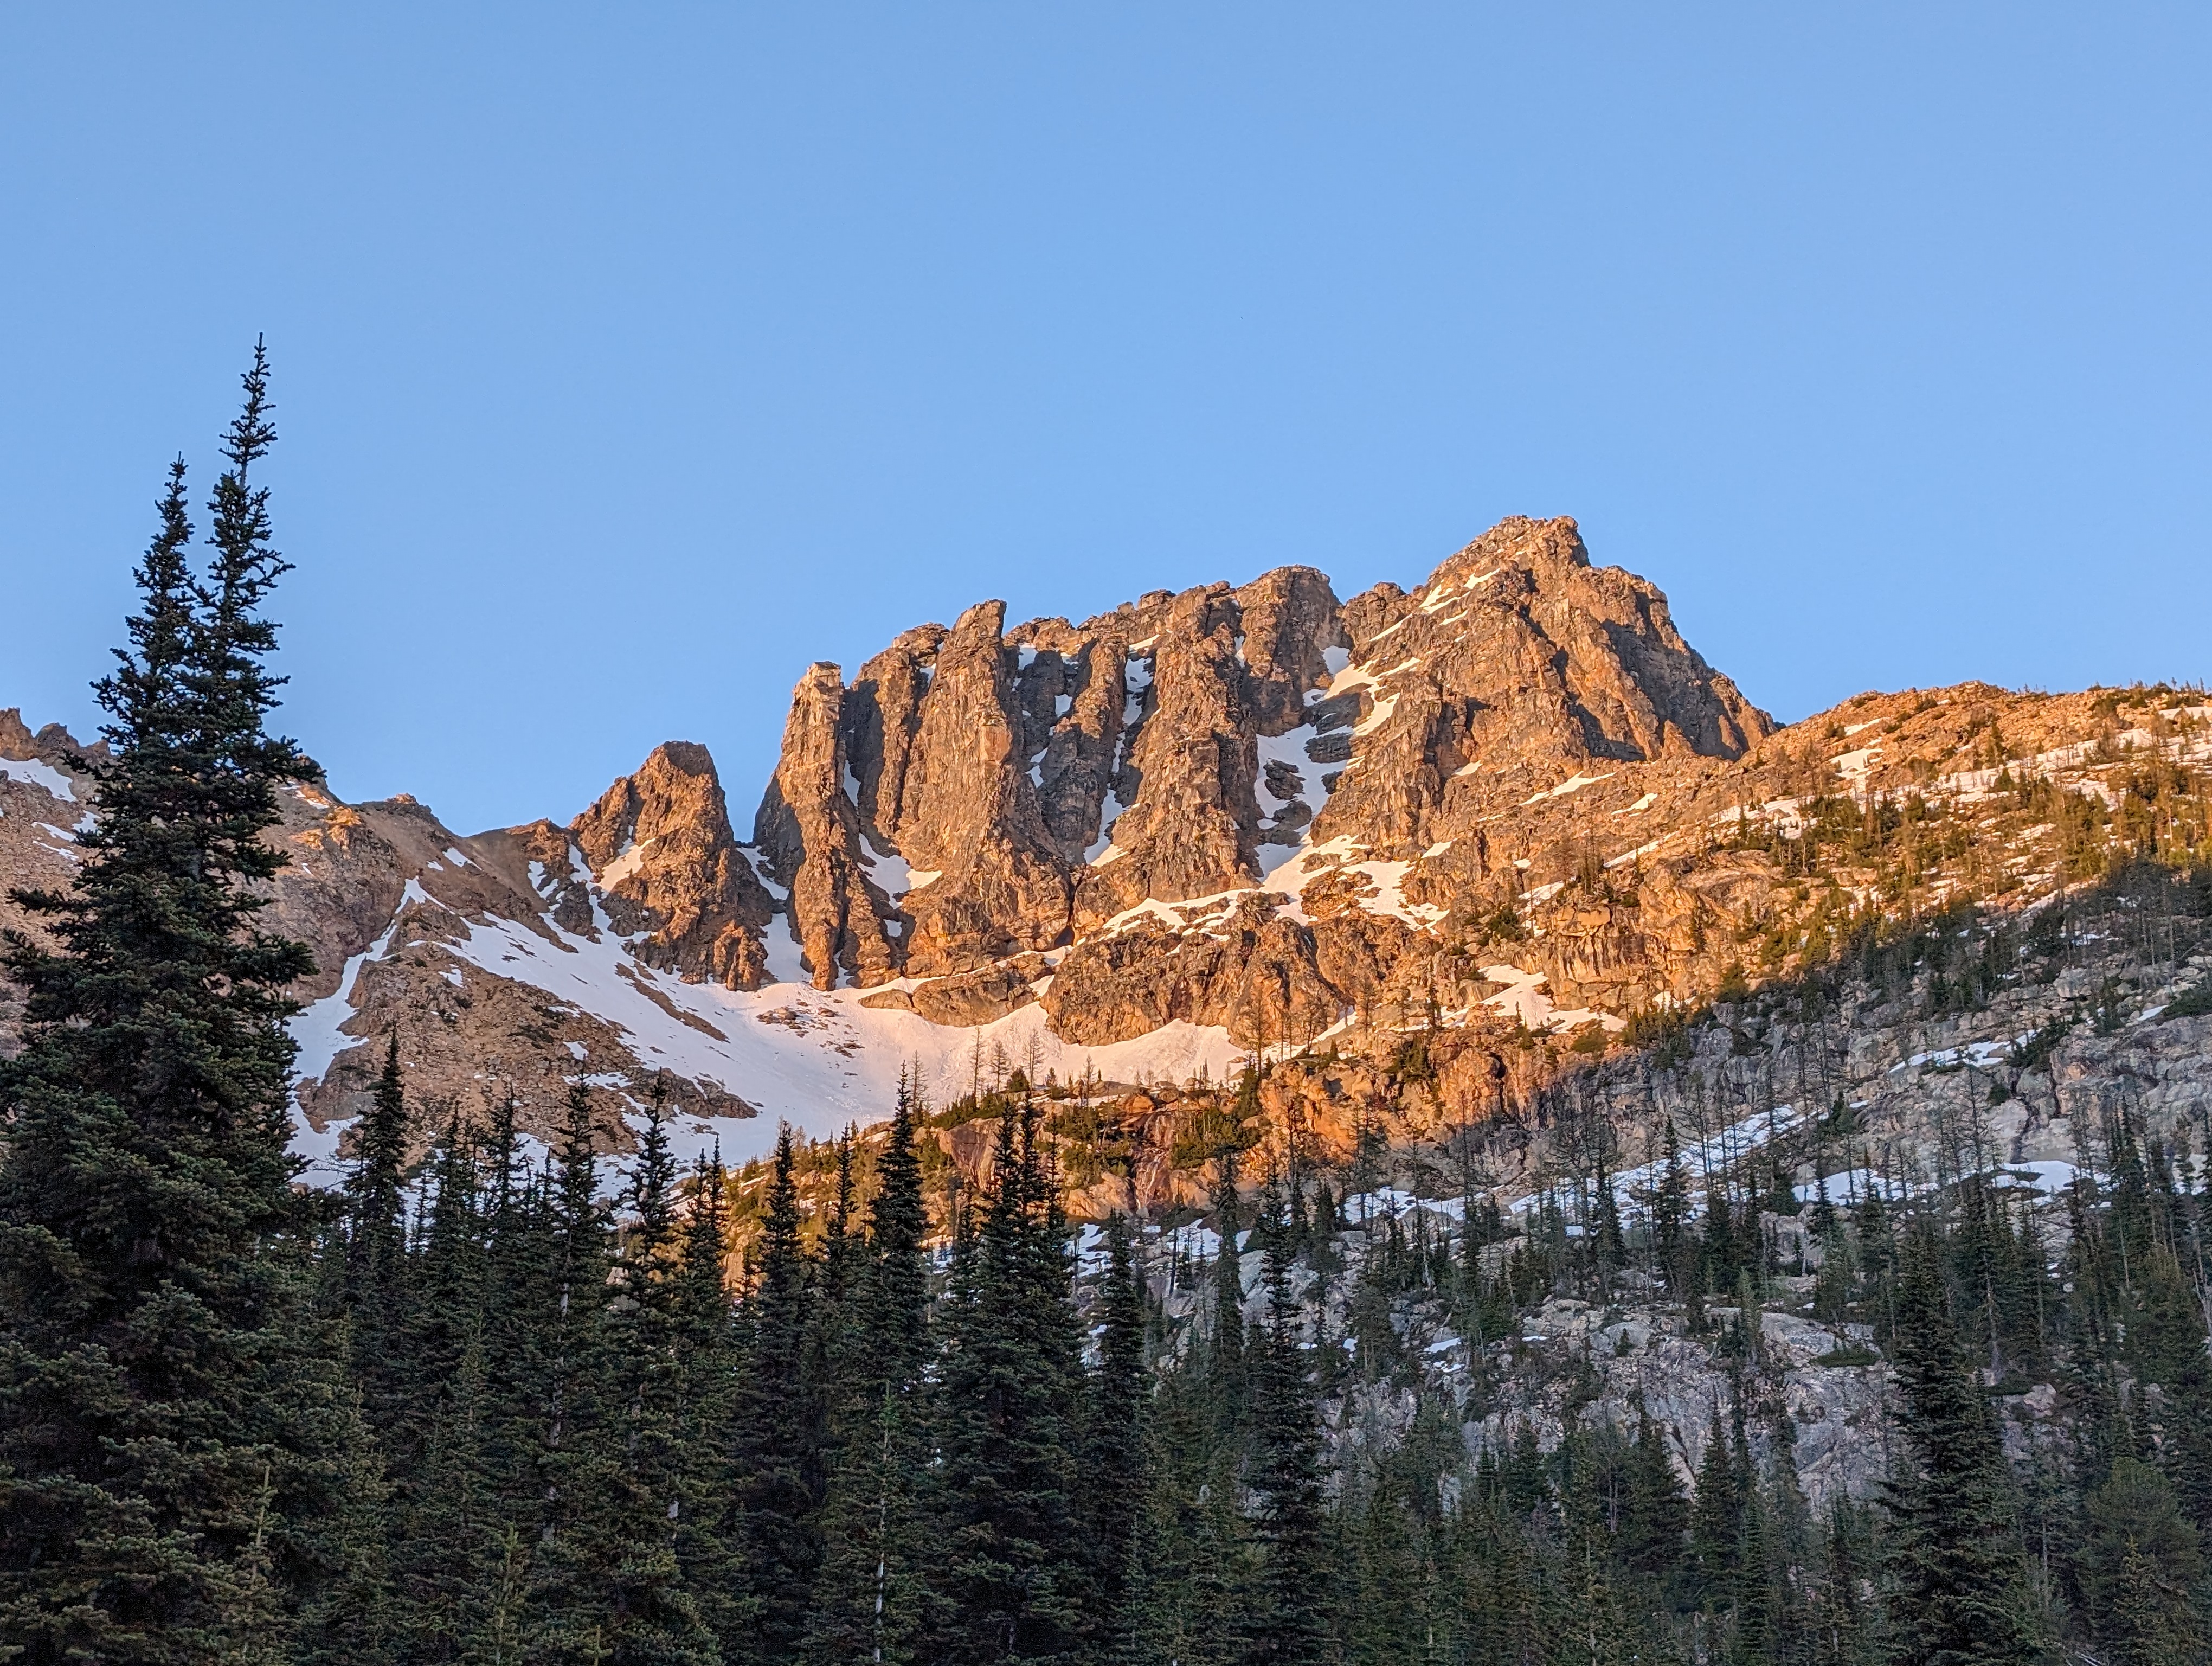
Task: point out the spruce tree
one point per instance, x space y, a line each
1289 1626
1958 1575
376 1241
1227 1361
777 1445
578 1447
447 1528
2142 1572
1113 1466
181 1473
1717 1517
652 1613
1013 1574
707 1357
1653 1516
869 1595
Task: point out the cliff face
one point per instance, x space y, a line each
1059 789
1513 801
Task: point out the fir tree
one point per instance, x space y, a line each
706 1358
1653 1516
446 1527
2142 1572
1717 1518
1013 1573
868 1595
184 1476
777 1448
578 1449
1113 1468
1954 1561
1670 1217
1289 1623
376 1246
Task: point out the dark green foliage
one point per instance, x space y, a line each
1289 1620
1014 1581
1114 1450
376 1246
1957 1570
869 1595
2142 1572
181 1471
779 1435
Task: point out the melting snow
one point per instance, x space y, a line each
36 772
1573 784
627 861
1103 850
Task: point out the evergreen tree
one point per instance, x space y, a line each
1716 1519
706 1358
1114 1467
181 1473
777 1449
446 1530
653 1614
578 1451
2142 1572
376 1246
1012 1578
1289 1623
1956 1568
1653 1516
1229 1368
868 1596
1670 1217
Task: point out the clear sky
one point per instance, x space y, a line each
629 359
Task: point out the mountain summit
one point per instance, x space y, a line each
1511 802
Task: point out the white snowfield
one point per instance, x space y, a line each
816 1058
35 772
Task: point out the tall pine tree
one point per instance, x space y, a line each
1957 1570
180 1469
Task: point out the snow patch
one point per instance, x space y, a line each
1572 784
626 862
37 772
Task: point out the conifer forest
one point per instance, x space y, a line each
501 1398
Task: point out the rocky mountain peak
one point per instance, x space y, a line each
660 850
1209 820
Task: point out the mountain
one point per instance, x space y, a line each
1511 810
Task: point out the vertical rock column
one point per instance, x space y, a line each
808 828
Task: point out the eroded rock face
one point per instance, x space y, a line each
981 792
659 846
970 814
1518 667
808 829
1252 807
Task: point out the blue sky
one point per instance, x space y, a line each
629 360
